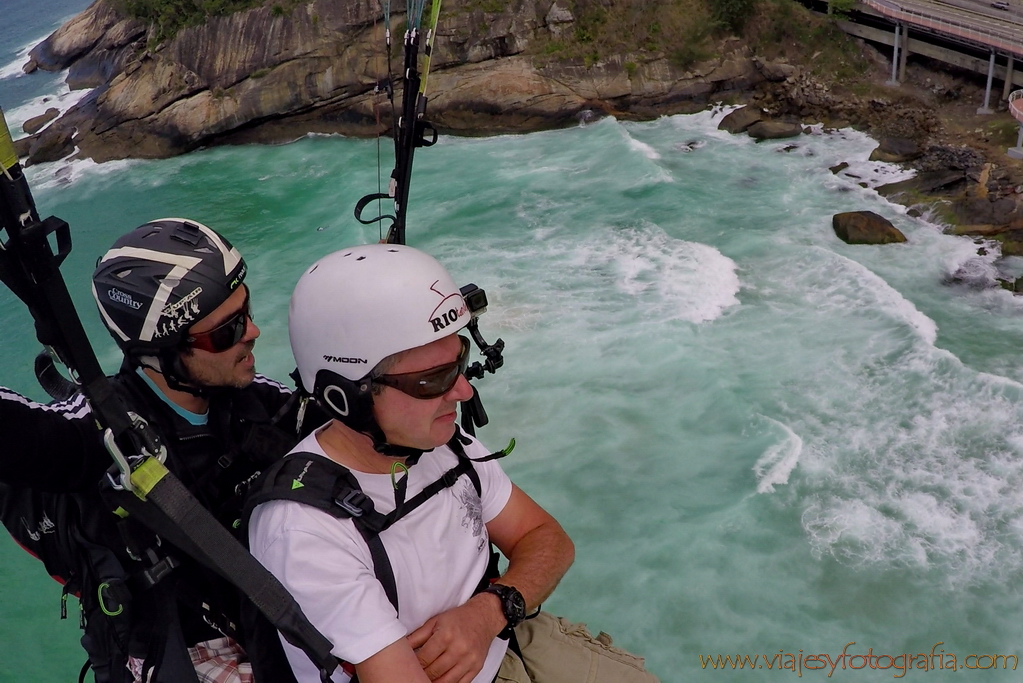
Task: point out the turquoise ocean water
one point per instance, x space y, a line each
763 441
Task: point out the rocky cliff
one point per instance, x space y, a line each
270 74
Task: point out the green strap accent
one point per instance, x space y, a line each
394 468
510 447
103 604
296 484
427 53
8 157
147 475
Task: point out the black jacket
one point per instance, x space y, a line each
56 501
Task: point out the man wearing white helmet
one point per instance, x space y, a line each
380 522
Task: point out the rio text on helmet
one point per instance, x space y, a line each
357 307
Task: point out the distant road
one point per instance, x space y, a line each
1014 15
969 21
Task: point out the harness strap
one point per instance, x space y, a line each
447 480
381 563
321 483
179 518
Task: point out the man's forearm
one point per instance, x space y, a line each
538 561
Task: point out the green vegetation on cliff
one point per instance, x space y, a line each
167 17
689 31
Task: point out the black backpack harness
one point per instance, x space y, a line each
321 483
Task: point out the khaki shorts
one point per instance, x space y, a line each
554 650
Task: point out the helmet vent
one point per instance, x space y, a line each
361 258
123 274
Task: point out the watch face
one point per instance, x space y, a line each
512 604
518 604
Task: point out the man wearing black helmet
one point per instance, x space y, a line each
172 295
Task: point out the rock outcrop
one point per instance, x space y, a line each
1010 236
741 119
896 150
37 123
925 183
269 75
774 130
865 227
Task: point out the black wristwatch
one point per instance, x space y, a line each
513 605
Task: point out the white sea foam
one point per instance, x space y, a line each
835 283
904 481
643 148
674 279
57 174
777 462
14 69
63 99
873 174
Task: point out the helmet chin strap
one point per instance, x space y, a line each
381 446
355 411
169 364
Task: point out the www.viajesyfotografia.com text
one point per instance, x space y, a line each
798 662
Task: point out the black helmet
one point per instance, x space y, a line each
160 279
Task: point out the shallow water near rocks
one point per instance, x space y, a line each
762 440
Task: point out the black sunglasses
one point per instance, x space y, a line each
432 382
225 335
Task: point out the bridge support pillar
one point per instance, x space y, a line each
1017 151
895 57
1008 78
986 109
905 53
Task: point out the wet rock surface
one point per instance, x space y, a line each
865 227
741 119
36 123
774 130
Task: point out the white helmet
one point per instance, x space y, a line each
355 307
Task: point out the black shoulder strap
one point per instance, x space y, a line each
325 485
316 481
464 461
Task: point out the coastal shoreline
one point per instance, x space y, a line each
195 91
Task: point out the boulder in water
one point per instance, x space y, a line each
51 148
37 123
865 227
741 119
22 146
896 150
774 130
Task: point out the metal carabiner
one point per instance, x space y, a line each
119 460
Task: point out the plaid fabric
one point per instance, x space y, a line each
220 660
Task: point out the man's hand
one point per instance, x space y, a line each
452 646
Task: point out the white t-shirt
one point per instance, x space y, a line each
439 552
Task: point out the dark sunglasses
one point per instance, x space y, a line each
429 383
225 335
